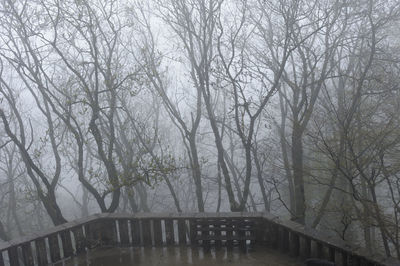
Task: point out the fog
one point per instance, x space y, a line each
282 106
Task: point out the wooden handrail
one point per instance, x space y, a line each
207 229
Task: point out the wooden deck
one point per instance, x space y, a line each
181 256
207 230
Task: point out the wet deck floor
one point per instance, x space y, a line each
179 256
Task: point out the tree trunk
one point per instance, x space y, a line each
49 203
143 198
298 179
196 172
172 191
261 181
132 201
85 202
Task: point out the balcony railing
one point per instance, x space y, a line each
205 229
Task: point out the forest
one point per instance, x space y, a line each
290 107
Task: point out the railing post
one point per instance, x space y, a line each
80 240
305 247
230 228
274 235
217 233
169 231
66 243
41 251
146 232
27 254
182 231
157 229
13 256
283 239
55 254
241 232
123 232
316 249
294 244
345 258
193 231
332 252
135 231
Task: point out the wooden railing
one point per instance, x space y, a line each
206 229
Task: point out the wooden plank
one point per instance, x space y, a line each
135 231
241 232
229 233
80 240
294 244
345 259
217 234
169 231
146 232
182 232
283 239
66 243
228 222
305 247
55 254
193 232
157 230
338 258
331 251
320 250
27 254
13 256
41 252
124 232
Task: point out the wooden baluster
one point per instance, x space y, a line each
55 253
331 254
294 244
205 232
182 231
217 233
80 240
169 231
13 256
146 232
320 250
157 229
27 254
135 230
241 233
345 258
41 251
193 231
123 232
229 232
283 239
66 243
305 247
275 235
